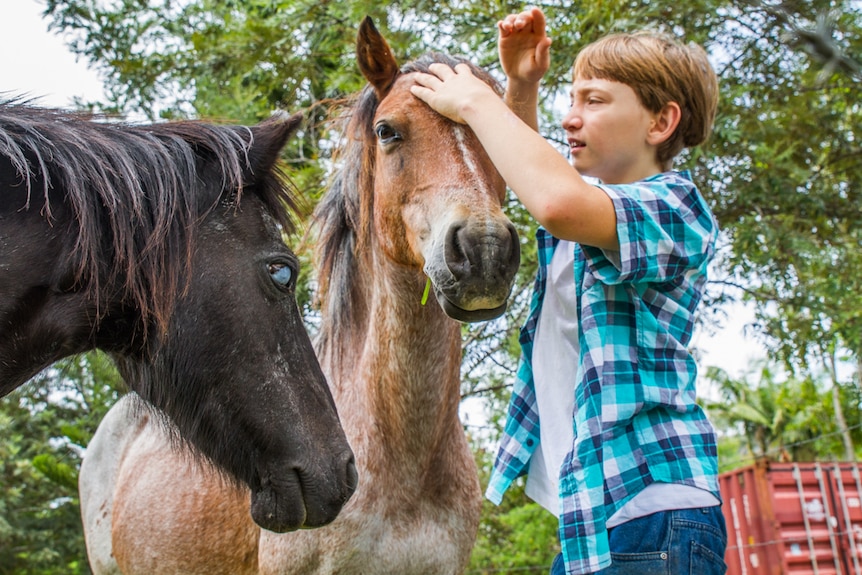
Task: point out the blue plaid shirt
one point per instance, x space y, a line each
636 420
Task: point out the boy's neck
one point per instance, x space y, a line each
638 173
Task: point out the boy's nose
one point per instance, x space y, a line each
572 120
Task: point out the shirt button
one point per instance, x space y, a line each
529 443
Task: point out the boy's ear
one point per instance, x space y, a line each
664 124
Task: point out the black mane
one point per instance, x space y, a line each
135 192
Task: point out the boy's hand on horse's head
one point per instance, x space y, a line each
450 91
523 46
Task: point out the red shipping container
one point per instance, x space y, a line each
793 519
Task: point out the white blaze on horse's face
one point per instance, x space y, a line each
467 154
438 205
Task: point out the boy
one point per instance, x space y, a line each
603 414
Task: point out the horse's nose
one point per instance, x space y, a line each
483 251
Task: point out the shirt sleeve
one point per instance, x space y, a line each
665 229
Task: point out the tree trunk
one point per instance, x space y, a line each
849 451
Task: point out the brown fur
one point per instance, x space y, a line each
231 537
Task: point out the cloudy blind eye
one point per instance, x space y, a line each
281 273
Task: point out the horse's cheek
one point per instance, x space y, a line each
392 234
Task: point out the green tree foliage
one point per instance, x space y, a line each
769 413
785 171
782 171
44 428
519 536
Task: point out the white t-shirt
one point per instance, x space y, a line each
556 352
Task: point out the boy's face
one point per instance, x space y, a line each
607 129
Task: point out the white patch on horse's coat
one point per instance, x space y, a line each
117 430
466 152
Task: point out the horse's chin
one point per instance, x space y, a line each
469 315
289 505
277 512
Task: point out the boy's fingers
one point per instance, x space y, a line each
425 83
520 23
538 19
543 52
507 24
531 20
420 92
442 71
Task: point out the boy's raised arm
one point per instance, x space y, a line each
524 50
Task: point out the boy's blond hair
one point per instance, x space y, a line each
660 69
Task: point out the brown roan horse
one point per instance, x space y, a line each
415 196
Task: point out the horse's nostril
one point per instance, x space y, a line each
514 248
455 251
351 480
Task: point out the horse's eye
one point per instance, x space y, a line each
386 134
281 273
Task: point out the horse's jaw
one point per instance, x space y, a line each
292 486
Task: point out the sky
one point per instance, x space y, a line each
38 64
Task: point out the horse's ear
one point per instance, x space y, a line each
269 137
375 58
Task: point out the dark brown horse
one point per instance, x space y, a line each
162 245
415 198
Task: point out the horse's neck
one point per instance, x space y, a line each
397 382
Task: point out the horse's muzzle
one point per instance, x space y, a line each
299 499
474 272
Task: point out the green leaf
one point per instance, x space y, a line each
55 470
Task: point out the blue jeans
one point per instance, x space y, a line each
680 542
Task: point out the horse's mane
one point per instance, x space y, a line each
136 193
343 217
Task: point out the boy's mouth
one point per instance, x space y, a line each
575 145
